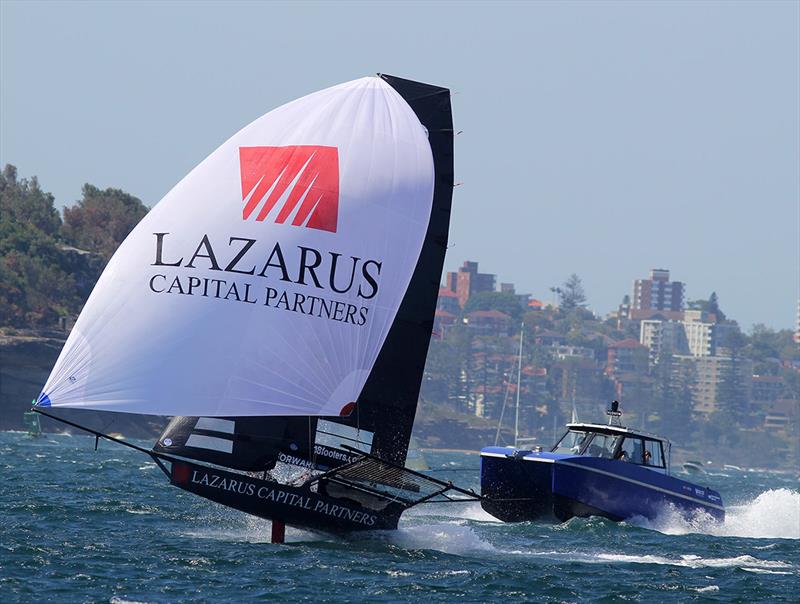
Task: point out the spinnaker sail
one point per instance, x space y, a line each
267 282
279 304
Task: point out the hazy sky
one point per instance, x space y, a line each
603 139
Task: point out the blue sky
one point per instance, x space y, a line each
603 139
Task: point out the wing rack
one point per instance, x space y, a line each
374 476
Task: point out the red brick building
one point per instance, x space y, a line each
627 356
658 293
468 281
448 301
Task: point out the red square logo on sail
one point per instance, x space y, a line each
304 178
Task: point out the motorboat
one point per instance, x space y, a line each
604 470
692 466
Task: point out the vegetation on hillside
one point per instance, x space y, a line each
48 266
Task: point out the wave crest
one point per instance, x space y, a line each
774 514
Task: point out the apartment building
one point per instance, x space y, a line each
696 335
657 293
709 373
468 281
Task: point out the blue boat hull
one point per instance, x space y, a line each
520 485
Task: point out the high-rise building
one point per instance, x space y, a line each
468 281
699 333
696 335
709 373
658 293
662 338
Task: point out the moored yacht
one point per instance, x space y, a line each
593 470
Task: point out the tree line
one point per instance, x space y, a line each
49 263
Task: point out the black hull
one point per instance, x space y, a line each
339 511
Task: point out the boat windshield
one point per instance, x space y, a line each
602 445
571 442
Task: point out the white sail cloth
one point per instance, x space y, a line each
266 281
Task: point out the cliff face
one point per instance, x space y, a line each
25 364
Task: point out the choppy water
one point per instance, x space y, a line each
84 526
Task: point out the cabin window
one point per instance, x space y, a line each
571 442
653 455
631 451
602 445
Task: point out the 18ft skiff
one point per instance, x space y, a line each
278 303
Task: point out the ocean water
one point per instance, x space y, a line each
83 526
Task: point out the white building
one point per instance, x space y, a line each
662 337
709 372
699 333
694 336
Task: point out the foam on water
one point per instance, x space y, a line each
223 525
473 512
708 589
457 511
774 514
744 562
449 538
691 561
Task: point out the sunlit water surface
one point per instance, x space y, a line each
83 526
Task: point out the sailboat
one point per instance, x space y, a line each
278 303
32 426
518 441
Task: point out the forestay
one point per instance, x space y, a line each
266 281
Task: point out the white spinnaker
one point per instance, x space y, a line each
138 348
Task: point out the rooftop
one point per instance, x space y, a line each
629 343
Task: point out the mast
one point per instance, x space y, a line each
519 376
502 413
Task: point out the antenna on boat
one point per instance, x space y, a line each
614 414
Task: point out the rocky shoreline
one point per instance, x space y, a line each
26 358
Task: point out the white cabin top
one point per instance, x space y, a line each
607 429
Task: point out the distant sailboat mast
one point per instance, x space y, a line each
505 398
519 376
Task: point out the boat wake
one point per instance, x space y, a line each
774 514
462 511
691 561
461 539
447 537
